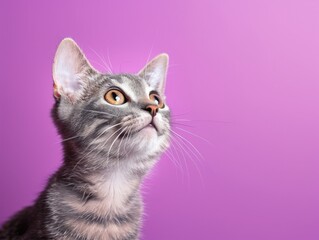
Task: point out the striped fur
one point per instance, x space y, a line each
108 150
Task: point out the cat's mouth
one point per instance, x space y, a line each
150 125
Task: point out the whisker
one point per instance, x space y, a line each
128 121
174 160
193 153
195 135
182 151
68 139
119 147
108 153
179 114
182 120
149 54
127 138
171 158
174 150
94 111
104 131
200 120
182 138
104 143
109 60
90 144
101 65
181 124
186 149
103 61
87 110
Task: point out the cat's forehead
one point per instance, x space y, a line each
132 85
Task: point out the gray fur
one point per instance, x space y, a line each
95 194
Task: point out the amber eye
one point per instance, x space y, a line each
115 97
157 100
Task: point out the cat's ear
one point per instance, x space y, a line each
70 71
155 72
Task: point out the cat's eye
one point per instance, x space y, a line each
157 100
115 97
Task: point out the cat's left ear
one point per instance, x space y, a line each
155 72
71 71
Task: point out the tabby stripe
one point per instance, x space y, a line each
131 236
68 232
80 193
92 218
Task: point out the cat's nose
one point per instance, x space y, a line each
152 109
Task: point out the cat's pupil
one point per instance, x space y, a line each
115 96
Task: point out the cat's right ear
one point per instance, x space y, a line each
155 72
70 71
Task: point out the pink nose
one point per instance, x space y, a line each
152 109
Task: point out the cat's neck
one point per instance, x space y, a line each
116 189
108 189
102 204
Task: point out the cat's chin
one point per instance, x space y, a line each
150 129
147 135
147 140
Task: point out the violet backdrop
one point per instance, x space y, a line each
245 73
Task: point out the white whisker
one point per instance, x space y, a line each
187 150
182 151
94 111
103 61
68 139
195 135
188 143
109 60
108 153
87 154
174 160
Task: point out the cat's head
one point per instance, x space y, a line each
109 116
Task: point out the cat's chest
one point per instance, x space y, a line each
111 195
115 192
111 214
119 230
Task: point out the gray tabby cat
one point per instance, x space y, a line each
114 128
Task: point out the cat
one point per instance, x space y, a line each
114 128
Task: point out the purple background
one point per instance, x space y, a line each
245 73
